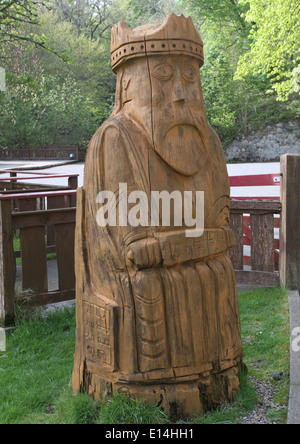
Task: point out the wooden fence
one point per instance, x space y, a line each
43 153
256 224
260 269
45 222
45 219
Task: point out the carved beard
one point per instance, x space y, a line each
182 147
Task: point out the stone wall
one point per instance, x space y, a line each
266 145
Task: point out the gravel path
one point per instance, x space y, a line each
266 392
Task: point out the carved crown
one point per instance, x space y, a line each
177 35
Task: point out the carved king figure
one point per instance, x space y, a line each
157 311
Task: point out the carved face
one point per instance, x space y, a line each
164 95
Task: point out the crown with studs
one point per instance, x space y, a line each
177 35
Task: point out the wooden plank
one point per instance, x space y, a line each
7 266
73 184
40 194
40 189
54 202
276 221
34 259
43 218
50 249
258 198
236 253
262 242
257 278
258 206
290 220
27 204
64 239
47 298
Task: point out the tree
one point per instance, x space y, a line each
18 18
15 17
275 43
138 12
46 113
228 13
51 100
235 103
88 61
89 17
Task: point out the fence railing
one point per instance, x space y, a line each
42 153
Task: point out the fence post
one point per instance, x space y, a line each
290 222
73 184
7 265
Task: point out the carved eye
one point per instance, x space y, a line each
189 73
163 72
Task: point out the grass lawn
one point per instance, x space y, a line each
35 371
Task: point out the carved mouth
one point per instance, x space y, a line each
182 130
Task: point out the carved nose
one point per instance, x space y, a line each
179 93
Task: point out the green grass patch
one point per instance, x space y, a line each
37 365
266 332
120 409
36 369
266 341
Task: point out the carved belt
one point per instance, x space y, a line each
169 249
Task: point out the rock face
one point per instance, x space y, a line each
266 145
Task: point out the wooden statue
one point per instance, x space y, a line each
157 307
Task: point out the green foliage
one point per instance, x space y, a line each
14 13
235 103
88 17
138 12
60 96
45 113
53 100
221 13
17 19
88 62
216 77
275 42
